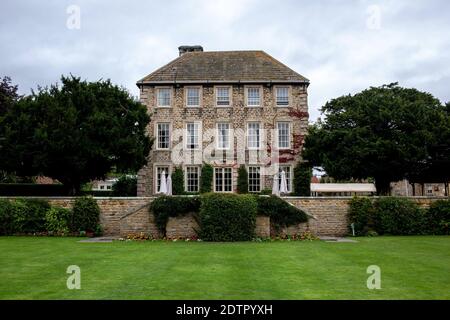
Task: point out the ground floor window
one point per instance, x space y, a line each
287 170
192 179
159 171
223 181
254 179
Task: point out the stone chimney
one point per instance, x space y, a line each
183 49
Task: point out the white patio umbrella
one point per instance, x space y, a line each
283 184
169 185
163 184
275 189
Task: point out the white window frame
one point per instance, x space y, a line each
186 178
199 135
222 173
288 136
186 90
289 182
288 96
218 147
247 96
158 89
216 96
155 175
259 136
249 172
157 135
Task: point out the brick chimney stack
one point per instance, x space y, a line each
183 49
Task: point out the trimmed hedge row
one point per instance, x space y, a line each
398 216
35 216
226 217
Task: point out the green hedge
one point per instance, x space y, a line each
58 220
281 213
361 212
206 178
86 214
178 181
7 217
398 216
302 179
439 217
124 187
242 181
227 217
168 206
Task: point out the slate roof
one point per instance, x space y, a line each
224 66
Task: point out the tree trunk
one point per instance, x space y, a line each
383 187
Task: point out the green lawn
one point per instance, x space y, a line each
411 268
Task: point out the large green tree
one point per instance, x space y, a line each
385 132
75 132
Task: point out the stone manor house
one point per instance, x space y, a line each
225 108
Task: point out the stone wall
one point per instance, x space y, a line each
124 216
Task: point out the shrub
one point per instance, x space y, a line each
166 206
266 191
125 187
242 181
302 179
7 218
178 181
281 213
206 178
58 220
30 215
398 216
361 211
86 214
227 217
439 217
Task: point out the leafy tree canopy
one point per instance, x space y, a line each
386 132
75 132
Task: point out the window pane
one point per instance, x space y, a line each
254 179
287 170
282 96
283 134
192 135
159 171
223 135
192 179
253 137
163 135
193 96
228 182
223 96
223 180
218 179
164 97
253 97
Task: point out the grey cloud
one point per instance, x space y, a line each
326 41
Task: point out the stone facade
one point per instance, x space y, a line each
208 114
405 189
238 115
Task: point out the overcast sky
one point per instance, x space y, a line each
341 46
